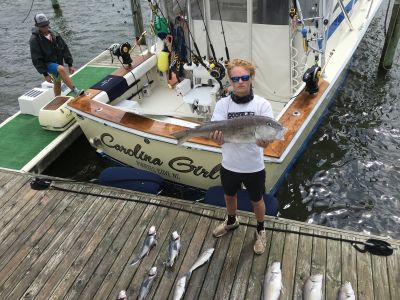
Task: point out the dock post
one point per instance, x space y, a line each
392 38
55 4
137 19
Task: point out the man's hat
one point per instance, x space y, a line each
41 20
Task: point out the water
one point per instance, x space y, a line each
349 175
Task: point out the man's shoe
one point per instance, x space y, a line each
223 228
261 242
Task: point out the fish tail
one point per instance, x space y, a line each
135 260
181 136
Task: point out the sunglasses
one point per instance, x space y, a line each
237 78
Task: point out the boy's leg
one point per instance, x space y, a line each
57 87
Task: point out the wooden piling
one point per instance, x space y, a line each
137 18
55 4
392 38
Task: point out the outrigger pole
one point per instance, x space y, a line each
223 34
208 36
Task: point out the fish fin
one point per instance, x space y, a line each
181 136
281 136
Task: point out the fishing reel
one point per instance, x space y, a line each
217 70
122 51
311 78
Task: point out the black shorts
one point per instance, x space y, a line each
253 182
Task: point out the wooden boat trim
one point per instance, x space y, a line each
56 103
304 103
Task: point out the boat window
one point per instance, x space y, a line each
271 12
231 10
195 11
309 8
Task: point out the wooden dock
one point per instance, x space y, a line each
56 244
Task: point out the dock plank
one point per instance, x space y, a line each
288 264
77 257
254 286
54 269
200 275
365 284
333 277
215 265
110 283
164 231
230 265
303 262
349 263
166 276
380 277
76 241
105 269
318 265
393 263
40 239
128 273
245 263
22 281
39 223
99 254
65 252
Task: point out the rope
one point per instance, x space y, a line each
28 11
376 247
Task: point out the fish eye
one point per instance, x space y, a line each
269 124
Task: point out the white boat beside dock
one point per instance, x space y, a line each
131 114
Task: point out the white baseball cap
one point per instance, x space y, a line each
41 20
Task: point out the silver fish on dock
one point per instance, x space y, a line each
239 130
180 286
203 258
148 244
346 292
147 283
313 288
272 282
173 249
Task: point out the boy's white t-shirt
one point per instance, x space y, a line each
242 158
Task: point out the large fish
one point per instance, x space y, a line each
173 249
272 282
148 244
147 283
182 282
313 288
346 292
239 130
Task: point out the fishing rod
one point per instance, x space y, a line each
208 36
198 56
373 246
223 34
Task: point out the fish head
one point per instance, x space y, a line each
271 130
121 295
174 236
152 230
317 278
153 271
276 267
347 289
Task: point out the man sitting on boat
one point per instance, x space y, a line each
242 163
48 53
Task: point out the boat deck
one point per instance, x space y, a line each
62 244
27 146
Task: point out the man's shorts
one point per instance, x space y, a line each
52 70
253 182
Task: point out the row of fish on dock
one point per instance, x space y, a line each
173 252
312 290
